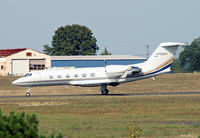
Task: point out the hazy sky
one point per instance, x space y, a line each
124 26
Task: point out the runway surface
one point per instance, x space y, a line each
98 95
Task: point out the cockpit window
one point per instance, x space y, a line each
28 75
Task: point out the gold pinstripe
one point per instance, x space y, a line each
161 66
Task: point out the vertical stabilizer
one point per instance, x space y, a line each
162 58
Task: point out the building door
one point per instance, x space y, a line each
37 64
20 66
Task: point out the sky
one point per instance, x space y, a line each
125 27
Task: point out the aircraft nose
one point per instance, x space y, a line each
16 82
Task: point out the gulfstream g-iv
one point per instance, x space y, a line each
158 63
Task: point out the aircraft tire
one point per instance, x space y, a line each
28 94
104 92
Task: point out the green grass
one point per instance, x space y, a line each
158 116
110 116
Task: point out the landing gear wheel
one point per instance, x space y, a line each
28 94
104 92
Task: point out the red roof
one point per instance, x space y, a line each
8 52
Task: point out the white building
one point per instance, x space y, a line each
21 61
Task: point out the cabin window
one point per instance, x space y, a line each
92 74
51 76
1 67
59 76
75 75
67 76
28 54
84 75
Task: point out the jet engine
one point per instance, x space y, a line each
116 71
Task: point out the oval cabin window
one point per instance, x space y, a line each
75 75
92 74
59 76
67 76
51 76
84 75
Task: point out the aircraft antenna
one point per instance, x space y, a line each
147 51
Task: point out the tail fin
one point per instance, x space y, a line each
162 58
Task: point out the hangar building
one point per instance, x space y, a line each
21 61
94 61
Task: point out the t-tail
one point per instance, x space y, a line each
161 59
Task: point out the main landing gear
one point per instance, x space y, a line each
28 94
104 90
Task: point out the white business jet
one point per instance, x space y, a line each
158 63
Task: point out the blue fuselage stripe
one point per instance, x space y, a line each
165 67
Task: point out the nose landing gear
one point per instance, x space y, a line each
104 90
28 94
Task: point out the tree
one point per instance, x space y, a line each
106 52
20 125
190 57
176 66
72 40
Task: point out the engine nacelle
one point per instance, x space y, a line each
115 71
